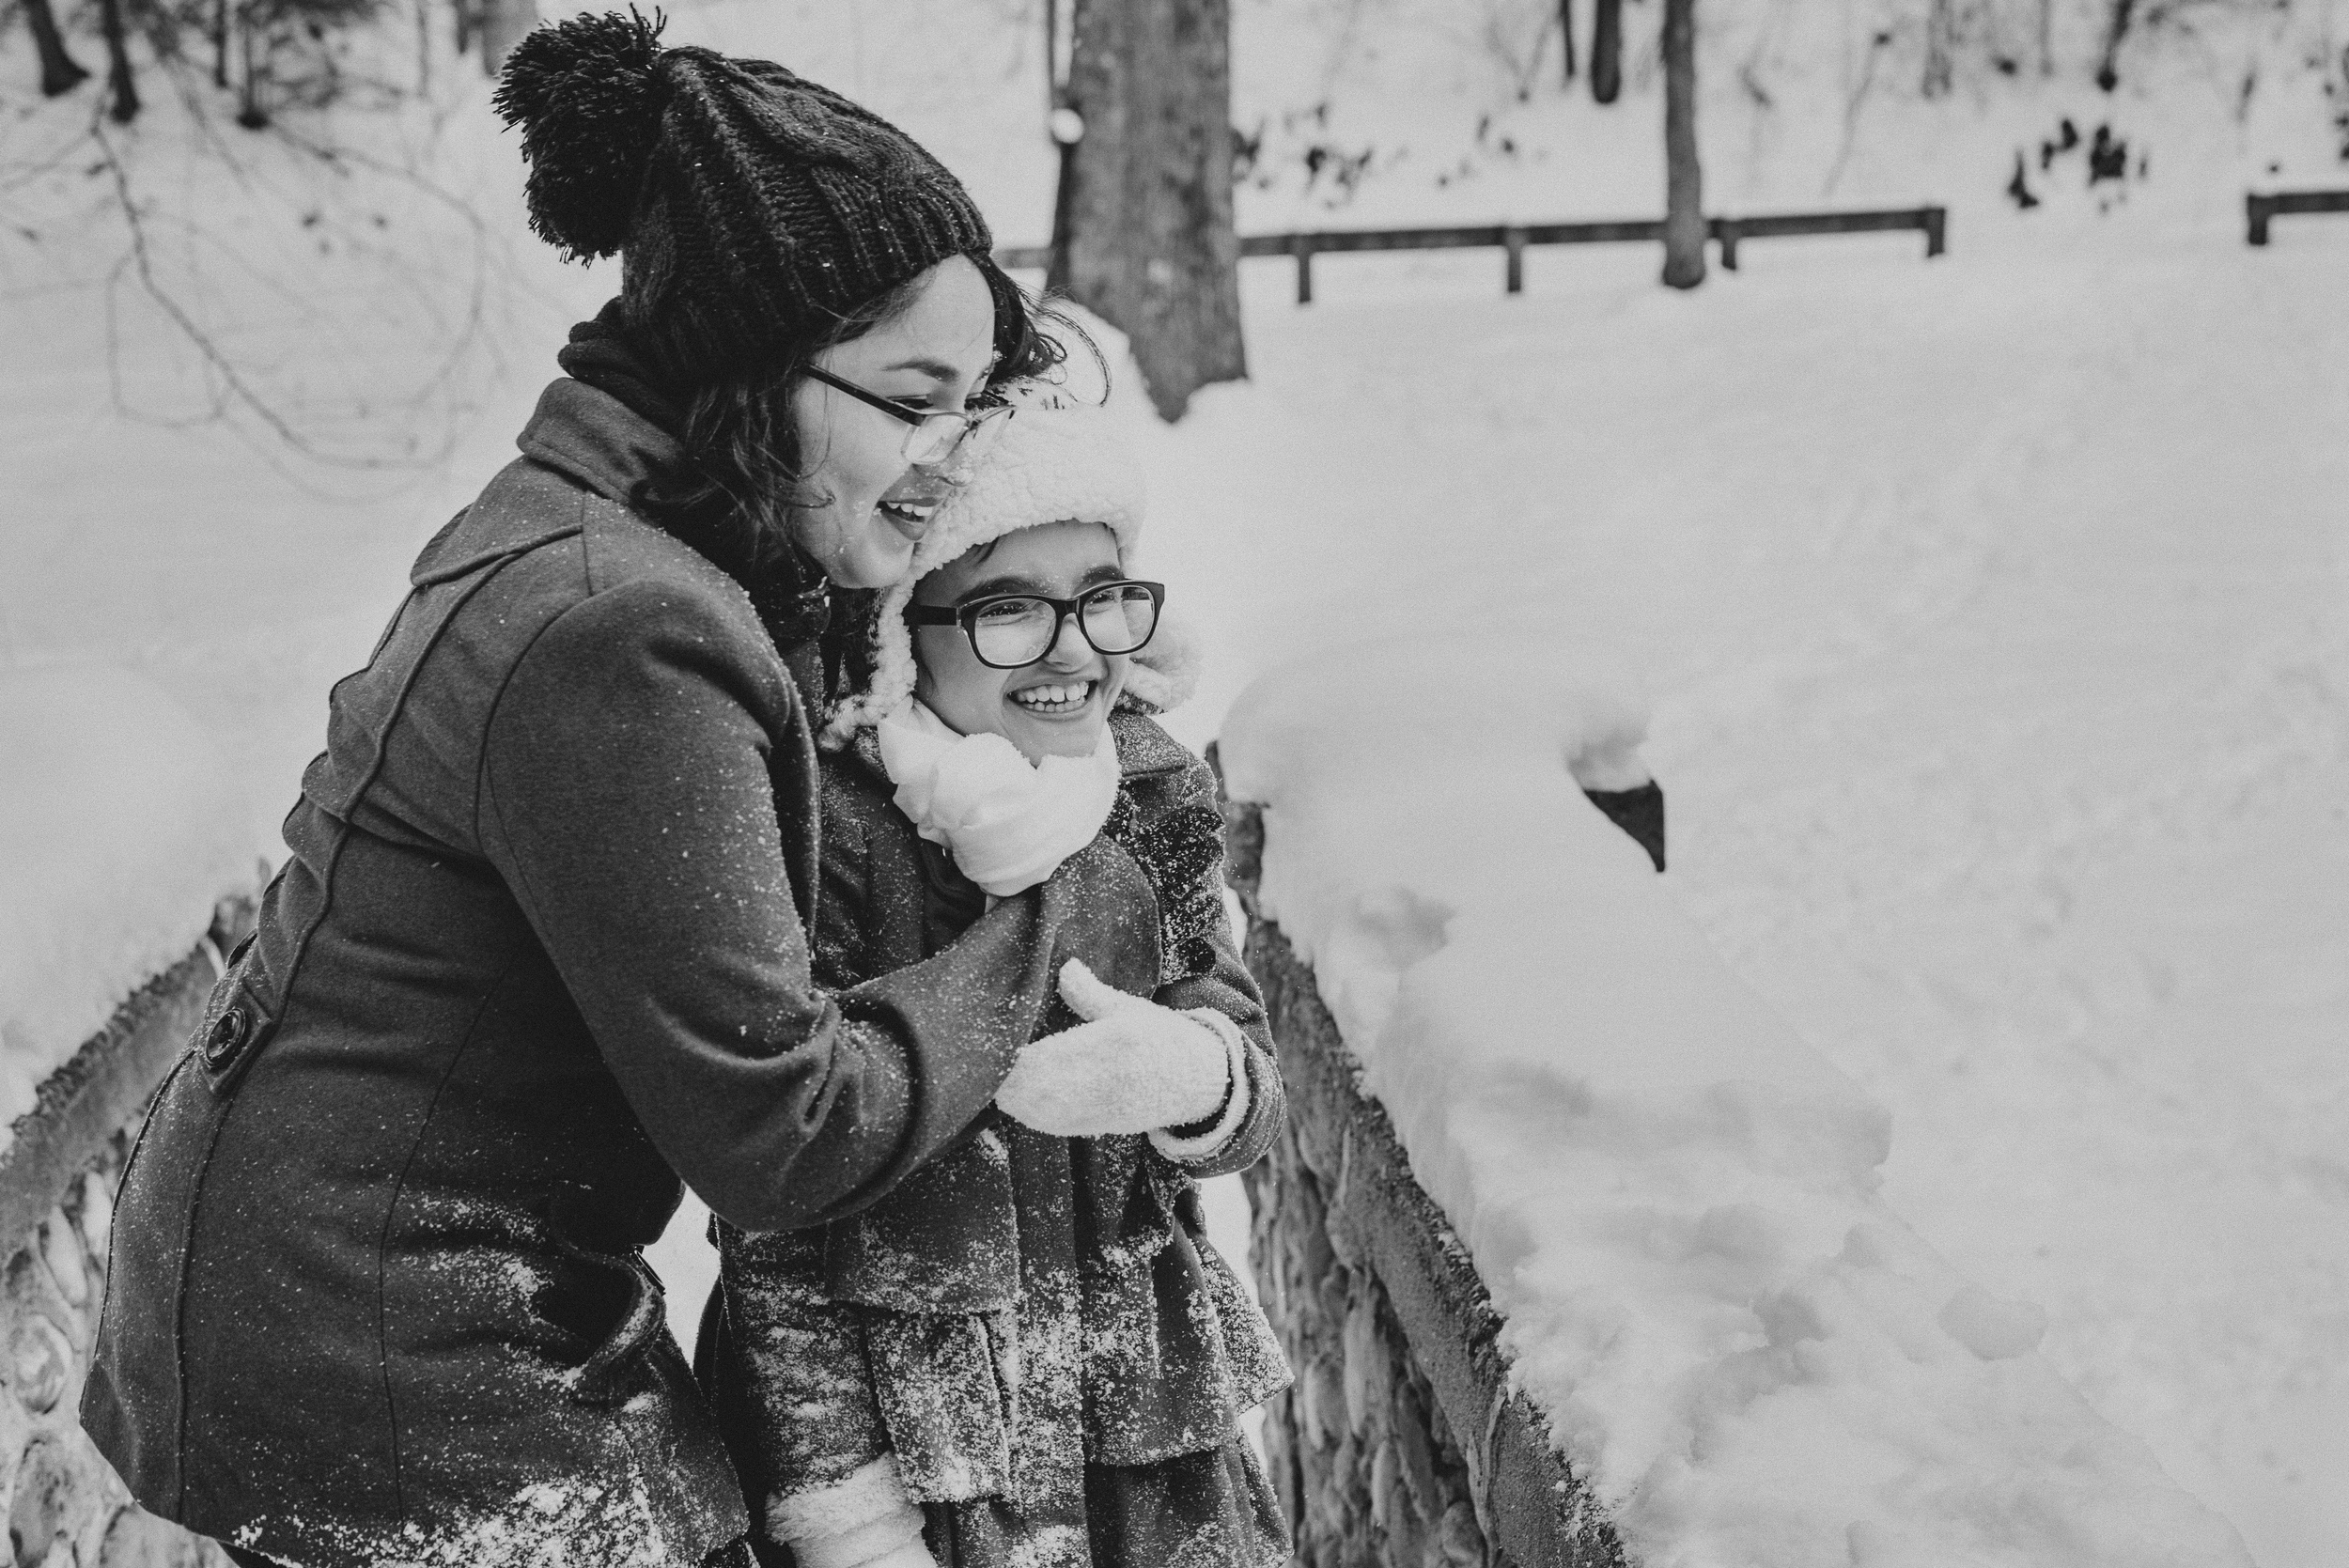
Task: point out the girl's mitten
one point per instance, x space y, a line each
1133 1067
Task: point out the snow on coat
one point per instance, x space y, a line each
1036 1328
375 1289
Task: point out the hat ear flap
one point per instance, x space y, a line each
587 95
1165 675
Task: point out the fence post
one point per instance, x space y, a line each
2258 209
1301 247
1937 221
1512 242
1725 230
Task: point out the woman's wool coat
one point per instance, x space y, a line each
538 952
1035 1327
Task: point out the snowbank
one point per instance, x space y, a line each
1670 1198
121 830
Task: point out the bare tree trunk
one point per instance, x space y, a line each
251 113
1150 246
2109 72
219 44
122 89
1607 50
503 24
1684 181
1066 128
1565 29
1940 44
1063 198
60 72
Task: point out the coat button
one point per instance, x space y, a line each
229 1032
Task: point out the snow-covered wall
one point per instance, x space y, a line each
124 825
59 1171
1743 1356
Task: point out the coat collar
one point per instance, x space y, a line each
578 438
594 439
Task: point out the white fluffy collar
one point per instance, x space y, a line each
1007 825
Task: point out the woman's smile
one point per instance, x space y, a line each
912 501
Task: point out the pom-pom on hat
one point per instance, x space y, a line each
1055 461
748 205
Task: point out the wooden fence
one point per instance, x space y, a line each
1513 239
2260 210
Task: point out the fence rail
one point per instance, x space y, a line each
1511 240
2259 211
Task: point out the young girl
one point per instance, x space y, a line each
1027 1354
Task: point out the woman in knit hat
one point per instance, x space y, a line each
1029 1353
539 949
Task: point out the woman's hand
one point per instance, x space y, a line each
1133 1067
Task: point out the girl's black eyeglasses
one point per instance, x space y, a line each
1011 631
937 434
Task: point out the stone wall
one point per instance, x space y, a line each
1400 1445
66 1509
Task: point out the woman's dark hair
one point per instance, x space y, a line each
730 495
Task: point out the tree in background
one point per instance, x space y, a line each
122 89
1607 50
1683 183
496 25
268 52
1940 46
60 72
1148 243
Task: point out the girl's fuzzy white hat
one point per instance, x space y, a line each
1054 461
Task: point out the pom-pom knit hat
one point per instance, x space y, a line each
749 204
1055 461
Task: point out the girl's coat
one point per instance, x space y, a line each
1034 1326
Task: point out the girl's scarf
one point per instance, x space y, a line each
1007 825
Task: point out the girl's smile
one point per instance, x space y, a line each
1057 707
1057 700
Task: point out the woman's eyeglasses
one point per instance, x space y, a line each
1010 631
937 434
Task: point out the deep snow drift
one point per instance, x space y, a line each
1744 1352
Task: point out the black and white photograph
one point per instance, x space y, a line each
1175 783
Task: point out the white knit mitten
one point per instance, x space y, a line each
865 1520
1203 1142
1130 1067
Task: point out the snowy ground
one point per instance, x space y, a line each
2003 697
1993 611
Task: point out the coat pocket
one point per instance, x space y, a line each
613 1369
948 1411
